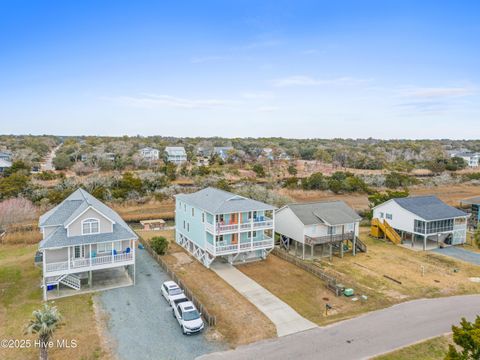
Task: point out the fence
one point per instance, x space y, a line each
209 318
330 281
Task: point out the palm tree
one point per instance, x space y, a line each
44 323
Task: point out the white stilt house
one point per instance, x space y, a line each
85 243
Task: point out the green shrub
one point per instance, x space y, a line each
159 244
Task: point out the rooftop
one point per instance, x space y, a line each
217 201
325 212
429 207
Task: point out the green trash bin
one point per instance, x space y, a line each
348 292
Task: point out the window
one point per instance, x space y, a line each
381 215
79 252
184 207
117 245
184 224
203 217
193 212
220 238
188 227
90 226
332 230
389 216
254 234
103 248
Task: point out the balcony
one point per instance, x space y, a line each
264 223
224 249
99 262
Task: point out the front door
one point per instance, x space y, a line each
79 252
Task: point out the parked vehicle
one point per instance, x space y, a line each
171 291
177 300
188 317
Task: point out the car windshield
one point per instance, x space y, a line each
191 315
175 291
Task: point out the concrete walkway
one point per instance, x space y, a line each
365 336
461 254
287 320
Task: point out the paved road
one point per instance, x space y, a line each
286 320
461 254
141 322
366 336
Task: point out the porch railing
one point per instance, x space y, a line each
87 262
255 224
232 248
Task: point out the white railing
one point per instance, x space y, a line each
209 247
57 266
209 227
228 227
246 245
263 243
265 223
226 248
245 226
95 261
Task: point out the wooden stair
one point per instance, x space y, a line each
379 228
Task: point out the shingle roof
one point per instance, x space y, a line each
217 201
474 200
329 212
71 208
429 207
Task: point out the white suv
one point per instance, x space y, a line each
171 291
188 317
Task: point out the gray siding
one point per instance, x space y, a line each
75 228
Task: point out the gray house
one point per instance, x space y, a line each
321 228
86 246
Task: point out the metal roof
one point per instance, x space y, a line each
470 201
216 201
328 212
429 207
175 150
5 163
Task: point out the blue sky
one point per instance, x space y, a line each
384 69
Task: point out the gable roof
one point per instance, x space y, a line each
217 201
175 150
324 212
429 207
72 207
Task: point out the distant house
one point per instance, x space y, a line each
213 223
268 153
176 154
4 165
6 155
471 158
423 221
150 154
83 157
222 151
109 156
86 245
323 227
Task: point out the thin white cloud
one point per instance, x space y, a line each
302 80
258 95
167 101
438 92
267 109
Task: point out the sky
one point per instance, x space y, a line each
297 69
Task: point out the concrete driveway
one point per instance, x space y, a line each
140 322
459 253
366 336
287 320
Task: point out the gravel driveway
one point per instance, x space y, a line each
141 322
461 254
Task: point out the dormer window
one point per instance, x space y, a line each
90 226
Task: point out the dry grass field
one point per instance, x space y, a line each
451 194
238 321
151 210
20 294
442 276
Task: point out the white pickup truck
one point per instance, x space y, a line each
188 317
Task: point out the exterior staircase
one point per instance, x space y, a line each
69 280
360 245
383 229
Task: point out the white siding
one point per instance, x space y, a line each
287 223
402 219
